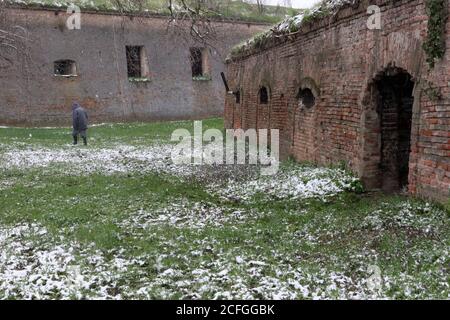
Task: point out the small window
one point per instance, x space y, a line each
196 62
134 61
137 65
238 97
306 98
65 68
199 63
263 96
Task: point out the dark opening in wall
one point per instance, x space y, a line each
200 63
65 68
263 96
395 103
134 61
196 62
306 98
137 64
238 97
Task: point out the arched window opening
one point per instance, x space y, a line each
65 68
263 96
306 98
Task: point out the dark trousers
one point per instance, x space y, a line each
82 133
76 133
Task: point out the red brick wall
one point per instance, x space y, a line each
345 60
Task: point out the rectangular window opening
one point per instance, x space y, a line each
200 64
137 64
65 68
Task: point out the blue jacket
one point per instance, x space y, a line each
79 117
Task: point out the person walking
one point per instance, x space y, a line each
80 123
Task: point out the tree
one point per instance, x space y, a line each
192 18
189 20
261 5
286 3
13 40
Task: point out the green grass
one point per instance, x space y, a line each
103 135
228 9
406 238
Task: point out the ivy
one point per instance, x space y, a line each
261 39
447 206
433 93
434 45
321 12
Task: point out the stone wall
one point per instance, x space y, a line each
30 93
351 70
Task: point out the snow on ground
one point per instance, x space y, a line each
294 183
36 264
32 266
324 8
6 183
242 181
84 161
185 214
30 271
41 269
293 24
76 161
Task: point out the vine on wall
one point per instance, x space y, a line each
434 45
433 93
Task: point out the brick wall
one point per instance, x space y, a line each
347 64
30 94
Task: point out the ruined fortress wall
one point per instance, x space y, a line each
345 63
30 94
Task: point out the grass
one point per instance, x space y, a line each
102 135
145 234
229 9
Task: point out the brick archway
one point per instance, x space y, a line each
263 106
387 126
306 84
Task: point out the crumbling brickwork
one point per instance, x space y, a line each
373 109
31 94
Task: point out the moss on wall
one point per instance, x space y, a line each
434 44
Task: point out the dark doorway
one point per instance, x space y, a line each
394 107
